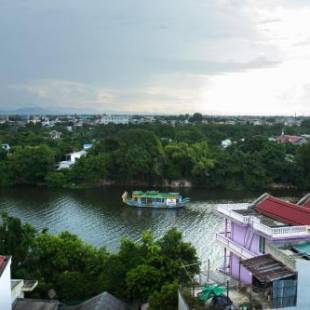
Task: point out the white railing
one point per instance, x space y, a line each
229 210
234 246
282 232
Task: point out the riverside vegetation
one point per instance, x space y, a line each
150 270
156 154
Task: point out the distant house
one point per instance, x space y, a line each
226 143
5 147
71 159
55 135
297 140
87 146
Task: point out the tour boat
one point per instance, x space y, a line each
155 199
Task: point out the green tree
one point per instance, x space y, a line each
142 281
166 298
30 164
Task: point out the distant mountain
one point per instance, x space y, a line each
34 110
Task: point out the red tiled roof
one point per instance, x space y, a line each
2 260
284 211
287 138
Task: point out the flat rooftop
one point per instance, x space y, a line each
268 221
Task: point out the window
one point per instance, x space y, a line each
261 244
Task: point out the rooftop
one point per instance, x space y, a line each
154 194
267 269
104 301
283 211
35 304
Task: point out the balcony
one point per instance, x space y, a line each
234 247
229 211
275 233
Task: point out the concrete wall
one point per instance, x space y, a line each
182 305
5 288
17 289
238 234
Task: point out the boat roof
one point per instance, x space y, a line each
154 194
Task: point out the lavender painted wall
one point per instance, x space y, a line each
238 234
239 272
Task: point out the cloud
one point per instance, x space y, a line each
223 56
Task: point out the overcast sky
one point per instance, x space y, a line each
163 56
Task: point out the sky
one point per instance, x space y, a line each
244 57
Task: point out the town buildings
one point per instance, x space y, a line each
267 246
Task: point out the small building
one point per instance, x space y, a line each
297 140
5 147
71 159
55 135
267 246
226 143
87 146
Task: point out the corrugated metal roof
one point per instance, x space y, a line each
267 269
284 211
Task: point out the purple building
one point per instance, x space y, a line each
267 246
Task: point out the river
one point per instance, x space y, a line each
97 216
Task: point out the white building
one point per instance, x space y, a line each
71 159
55 135
5 283
114 119
226 143
5 147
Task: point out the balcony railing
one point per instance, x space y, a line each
234 246
282 232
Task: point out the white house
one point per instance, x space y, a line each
5 147
55 135
71 159
87 146
226 143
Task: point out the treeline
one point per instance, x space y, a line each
150 270
156 154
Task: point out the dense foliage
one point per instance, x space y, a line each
147 270
156 154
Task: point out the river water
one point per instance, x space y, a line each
97 215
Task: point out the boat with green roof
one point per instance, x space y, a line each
155 199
